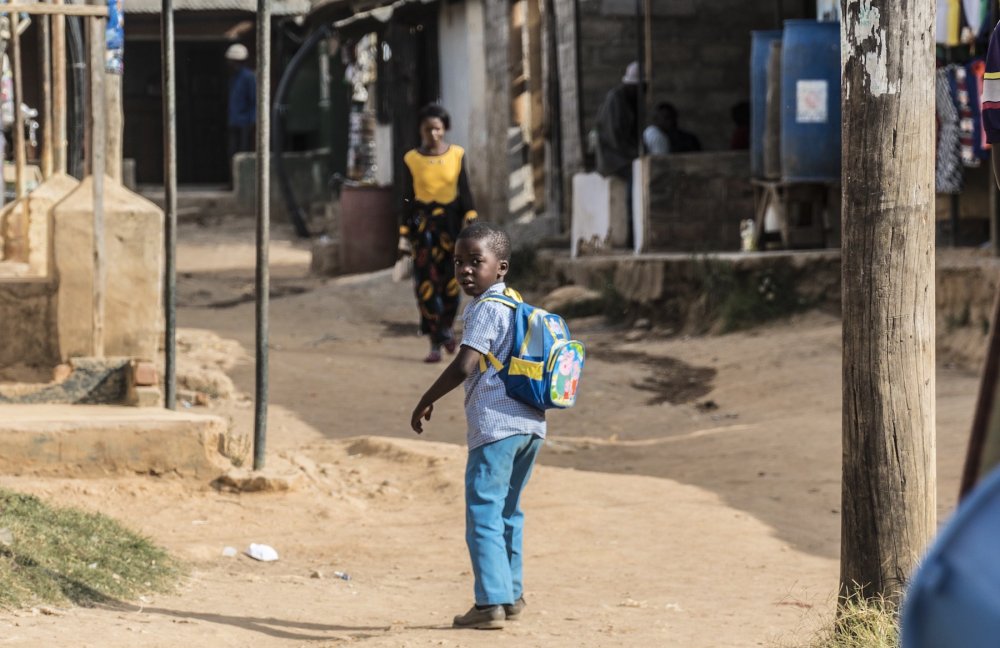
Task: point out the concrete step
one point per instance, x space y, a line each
102 440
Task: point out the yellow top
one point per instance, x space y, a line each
435 177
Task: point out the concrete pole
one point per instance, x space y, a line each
888 489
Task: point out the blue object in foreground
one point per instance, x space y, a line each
954 597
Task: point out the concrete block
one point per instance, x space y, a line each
34 246
599 217
134 256
96 441
144 396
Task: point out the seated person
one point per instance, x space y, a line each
663 136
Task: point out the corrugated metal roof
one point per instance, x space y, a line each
278 7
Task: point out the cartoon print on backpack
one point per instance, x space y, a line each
545 364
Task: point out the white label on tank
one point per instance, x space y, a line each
810 101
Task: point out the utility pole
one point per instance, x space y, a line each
888 485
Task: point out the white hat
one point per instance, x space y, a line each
631 74
237 52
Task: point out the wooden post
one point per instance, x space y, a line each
113 141
59 143
45 51
888 490
496 16
97 165
19 153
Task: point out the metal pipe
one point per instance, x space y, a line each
170 204
263 226
45 47
78 130
295 211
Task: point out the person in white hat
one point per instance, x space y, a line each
241 114
618 126
617 132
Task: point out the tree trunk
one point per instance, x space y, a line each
888 293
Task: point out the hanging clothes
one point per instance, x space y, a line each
976 72
949 22
966 117
991 91
948 168
974 12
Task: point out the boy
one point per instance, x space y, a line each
504 435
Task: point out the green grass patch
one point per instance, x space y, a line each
740 300
862 624
62 555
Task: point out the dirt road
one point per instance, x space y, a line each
691 499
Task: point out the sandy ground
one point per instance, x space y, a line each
691 498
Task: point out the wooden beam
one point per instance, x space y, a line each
95 11
19 152
97 166
58 128
45 47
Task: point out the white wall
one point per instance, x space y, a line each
463 85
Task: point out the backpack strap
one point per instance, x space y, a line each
510 298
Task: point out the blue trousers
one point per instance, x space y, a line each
495 476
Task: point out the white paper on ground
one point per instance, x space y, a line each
262 552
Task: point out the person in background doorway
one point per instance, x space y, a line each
617 127
437 204
663 136
241 115
740 140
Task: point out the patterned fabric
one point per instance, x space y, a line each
948 174
491 414
436 203
991 91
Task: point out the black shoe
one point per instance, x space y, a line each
513 610
490 618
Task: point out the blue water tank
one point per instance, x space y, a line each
810 97
760 49
954 597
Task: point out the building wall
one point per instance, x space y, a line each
463 80
701 56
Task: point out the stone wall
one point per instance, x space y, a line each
28 322
697 200
701 56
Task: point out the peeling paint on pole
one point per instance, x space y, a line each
863 33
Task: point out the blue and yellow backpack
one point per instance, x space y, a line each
545 363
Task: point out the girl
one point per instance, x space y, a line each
437 204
